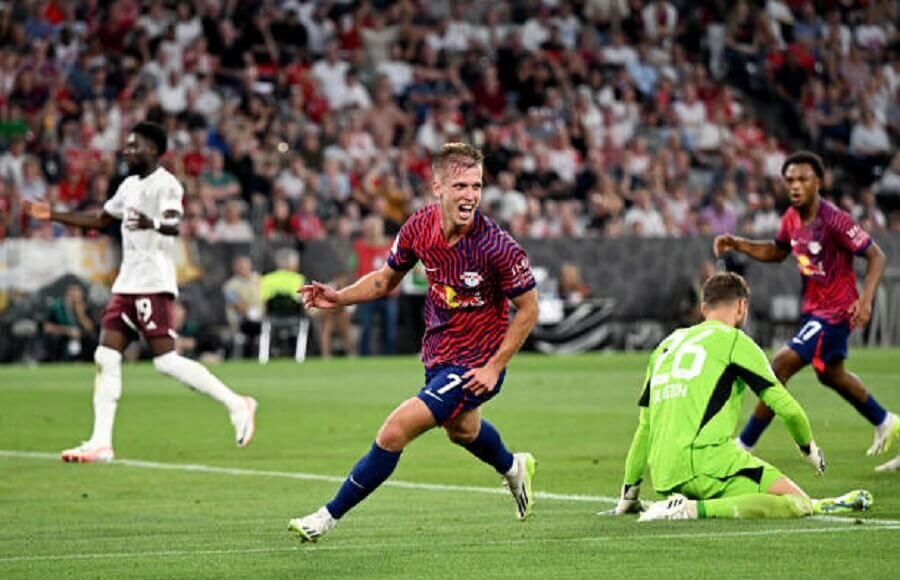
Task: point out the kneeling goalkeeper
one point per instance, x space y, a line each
689 408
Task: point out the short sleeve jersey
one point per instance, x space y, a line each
824 250
148 264
696 381
469 285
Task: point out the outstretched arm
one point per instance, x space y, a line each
484 379
761 251
41 210
372 286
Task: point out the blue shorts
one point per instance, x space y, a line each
819 342
444 396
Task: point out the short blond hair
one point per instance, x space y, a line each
455 154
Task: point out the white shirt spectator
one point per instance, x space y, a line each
765 222
871 36
869 139
330 77
691 117
569 26
207 102
653 28
148 263
398 72
236 231
11 167
291 184
534 34
353 95
173 94
619 55
186 31
845 37
646 223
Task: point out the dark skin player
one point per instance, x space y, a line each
803 185
142 158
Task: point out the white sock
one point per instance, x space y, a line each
514 470
197 377
107 390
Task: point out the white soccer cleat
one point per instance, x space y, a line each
892 465
675 507
312 527
87 452
244 422
519 483
885 435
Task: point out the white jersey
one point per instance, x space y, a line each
148 264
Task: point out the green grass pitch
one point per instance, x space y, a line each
149 516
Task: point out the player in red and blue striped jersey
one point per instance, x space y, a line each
824 240
474 270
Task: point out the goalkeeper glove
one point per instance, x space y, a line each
628 501
814 456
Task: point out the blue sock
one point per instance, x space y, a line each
870 409
753 430
368 473
489 448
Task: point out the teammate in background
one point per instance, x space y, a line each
824 240
689 407
474 269
149 204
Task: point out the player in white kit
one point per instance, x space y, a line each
148 203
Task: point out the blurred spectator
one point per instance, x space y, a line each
371 252
278 288
282 99
68 329
281 224
572 288
233 227
243 301
719 216
338 319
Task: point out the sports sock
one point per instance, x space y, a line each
368 473
871 409
755 506
197 377
489 447
753 430
107 390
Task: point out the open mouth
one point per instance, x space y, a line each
466 210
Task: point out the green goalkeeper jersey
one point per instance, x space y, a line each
693 397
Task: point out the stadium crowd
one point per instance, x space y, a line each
597 117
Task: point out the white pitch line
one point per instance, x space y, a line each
212 469
310 477
381 547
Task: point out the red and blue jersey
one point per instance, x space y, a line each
824 250
469 285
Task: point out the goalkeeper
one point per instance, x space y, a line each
690 405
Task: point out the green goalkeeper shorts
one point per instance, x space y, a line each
728 471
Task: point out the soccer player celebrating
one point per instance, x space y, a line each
689 407
474 269
148 203
824 240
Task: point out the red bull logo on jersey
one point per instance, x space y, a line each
808 267
448 296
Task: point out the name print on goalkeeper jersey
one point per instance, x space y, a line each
694 391
469 285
